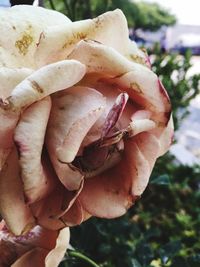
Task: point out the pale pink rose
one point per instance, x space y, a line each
82 118
40 247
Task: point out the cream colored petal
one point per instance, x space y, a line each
55 255
13 209
45 81
29 137
19 37
56 43
10 78
101 58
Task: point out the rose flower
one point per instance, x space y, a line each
82 118
39 247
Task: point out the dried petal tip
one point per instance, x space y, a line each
114 114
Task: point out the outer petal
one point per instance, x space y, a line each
73 114
12 205
8 121
17 48
32 258
101 58
56 43
10 78
109 195
45 81
29 137
40 247
56 254
41 257
59 209
142 85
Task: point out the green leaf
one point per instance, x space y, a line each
161 180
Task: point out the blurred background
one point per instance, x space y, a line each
163 228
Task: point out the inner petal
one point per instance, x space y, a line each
95 155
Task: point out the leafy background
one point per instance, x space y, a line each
163 228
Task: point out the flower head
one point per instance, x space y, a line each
83 119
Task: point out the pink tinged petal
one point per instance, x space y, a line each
32 258
58 210
166 137
114 114
19 250
56 254
111 93
45 81
75 215
29 137
13 209
73 114
45 210
101 58
8 121
9 78
143 88
146 152
110 194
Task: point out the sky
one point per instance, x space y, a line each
186 11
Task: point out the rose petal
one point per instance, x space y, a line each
41 258
55 255
12 206
29 137
142 86
56 43
8 121
20 36
10 78
32 258
110 194
165 137
45 81
73 114
101 58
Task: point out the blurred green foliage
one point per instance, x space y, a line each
163 228
173 70
139 14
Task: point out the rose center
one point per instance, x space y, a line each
106 151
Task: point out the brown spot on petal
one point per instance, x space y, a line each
23 44
76 37
37 87
137 59
135 86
